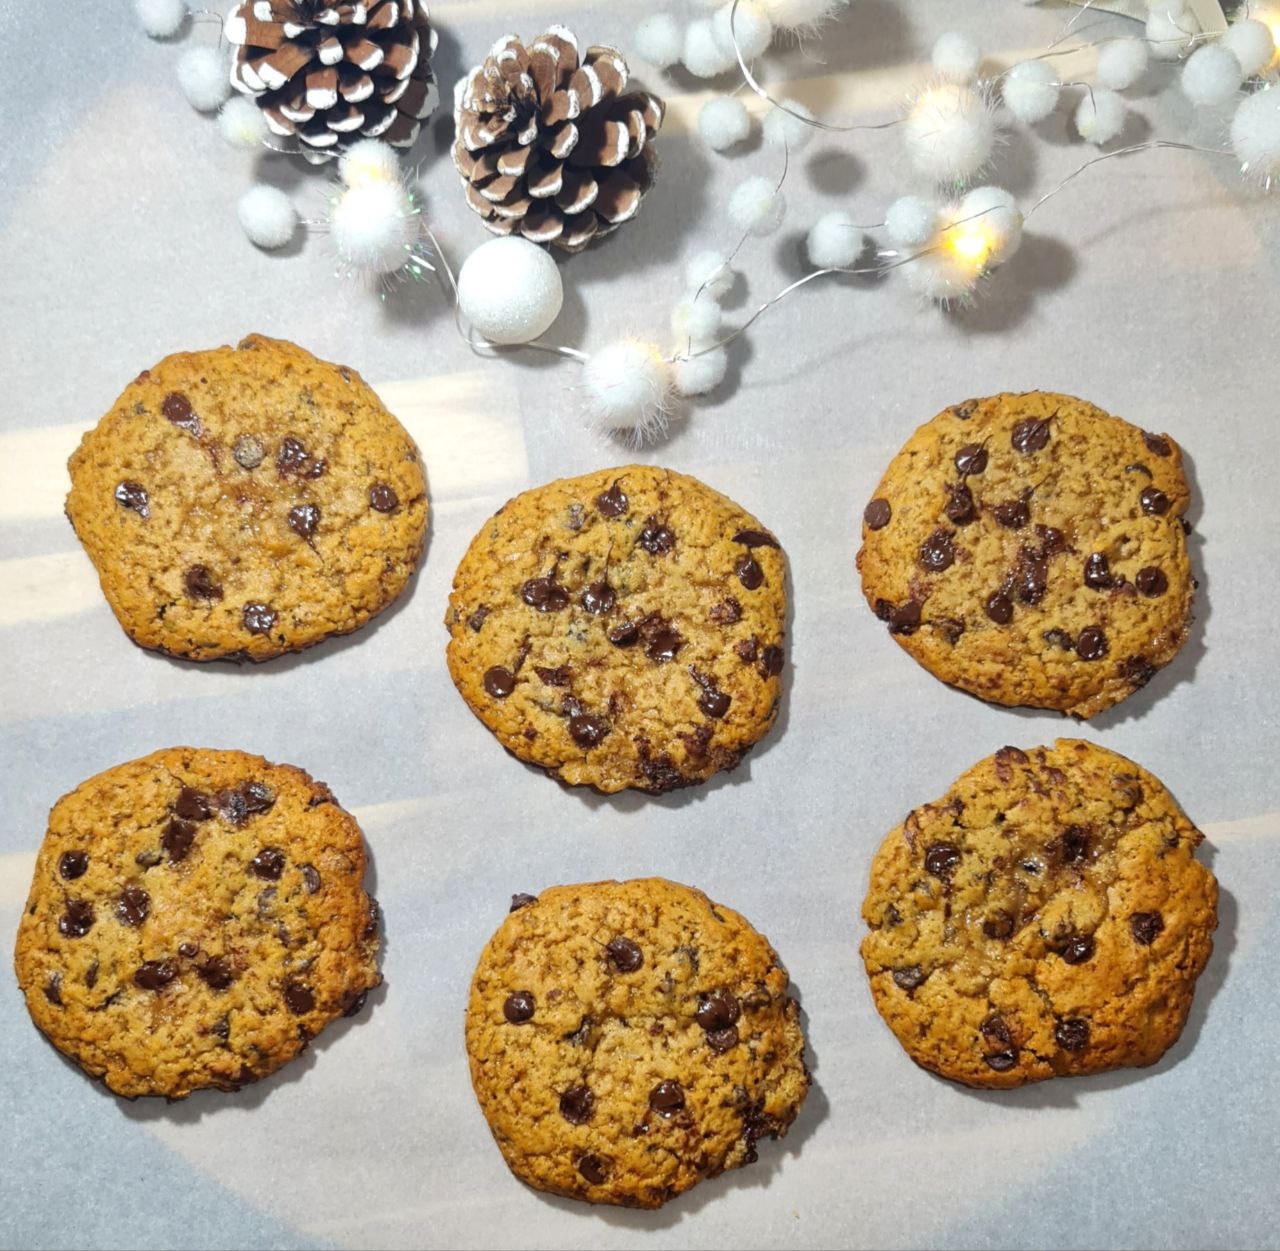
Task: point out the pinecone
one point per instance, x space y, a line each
328 72
548 146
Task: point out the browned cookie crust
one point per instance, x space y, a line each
622 629
244 502
1030 549
1045 918
194 919
629 1039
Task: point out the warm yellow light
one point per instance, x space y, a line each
971 244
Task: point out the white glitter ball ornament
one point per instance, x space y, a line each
1253 44
911 221
510 290
242 123
160 18
1255 135
723 122
834 241
267 216
1031 90
369 160
659 40
709 273
1121 62
374 227
751 27
1100 116
757 207
1211 76
204 77
626 387
950 132
785 130
703 56
956 57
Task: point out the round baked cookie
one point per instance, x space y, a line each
622 629
248 501
629 1039
195 918
1045 918
1030 549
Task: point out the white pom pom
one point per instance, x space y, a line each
1253 44
709 273
510 290
956 57
374 227
801 15
782 130
757 207
1255 135
1211 76
659 40
751 27
1100 116
950 132
1171 30
1121 62
1031 90
992 214
242 124
700 374
204 78
703 56
267 216
911 222
722 122
369 160
627 387
160 18
942 275
695 320
834 242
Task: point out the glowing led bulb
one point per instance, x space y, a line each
970 243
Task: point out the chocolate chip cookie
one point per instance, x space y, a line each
1045 918
629 1039
1030 549
248 501
622 629
195 918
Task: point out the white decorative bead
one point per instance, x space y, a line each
911 222
782 130
204 77
1100 116
1255 135
956 57
722 122
703 56
160 18
1211 76
709 273
757 207
659 40
1031 90
374 227
267 216
626 386
1121 62
950 132
510 290
1253 44
751 27
242 124
834 241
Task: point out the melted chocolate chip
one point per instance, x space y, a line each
717 1010
1052 540
962 412
594 1168
1097 571
772 660
188 950
747 650
1151 581
155 974
259 618
216 973
133 495
353 1008
937 552
1002 1061
999 608
1072 1034
667 1098
373 922
656 539
1059 639
941 861
1155 503
561 675
177 839
382 498
311 879
248 452
268 864
544 594
749 573
1074 844
996 1030
293 457
623 954
77 920
577 1105
298 998
519 1007
133 905
1157 443
1091 644
1030 436
624 634
1145 926
193 805
1078 948
1012 755
1138 670
72 864
476 620
722 1040
755 538
952 629
613 502
499 682
905 618
713 701
599 599
177 408
662 641
971 459
960 507
200 583
727 612
53 989
303 519
521 901
587 730
909 978
1013 514
1030 577
998 924
877 514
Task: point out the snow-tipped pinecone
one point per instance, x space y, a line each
548 145
327 72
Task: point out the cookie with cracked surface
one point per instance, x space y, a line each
244 502
629 1039
1047 917
622 629
1031 550
195 918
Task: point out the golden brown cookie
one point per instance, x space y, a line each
622 629
1030 549
1045 918
629 1039
248 501
195 918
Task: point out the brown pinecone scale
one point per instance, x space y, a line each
327 73
550 144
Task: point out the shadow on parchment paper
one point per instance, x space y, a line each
1044 263
753 1176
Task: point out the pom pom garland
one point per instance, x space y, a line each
751 27
757 207
956 57
703 56
802 15
1253 44
782 130
834 241
1171 30
374 227
722 122
911 222
950 132
1255 136
1100 116
510 290
1211 76
161 19
709 273
659 40
699 374
695 320
627 387
267 216
1030 90
242 123
369 160
943 275
204 77
1121 62
987 223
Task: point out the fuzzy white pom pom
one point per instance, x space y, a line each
782 130
1030 90
369 160
751 27
802 15
950 132
204 78
757 207
1255 135
627 387
834 242
242 123
695 320
1100 116
1121 62
709 273
700 374
911 222
722 122
659 40
1253 44
1211 76
1171 31
956 57
510 290
267 216
993 216
374 227
703 56
160 18
942 275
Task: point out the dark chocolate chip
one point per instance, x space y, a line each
1059 638
909 978
1145 926
877 514
221 1028
292 457
133 495
727 612
72 864
1151 581
91 975
519 1007
667 1098
177 408
1002 1061
998 924
193 805
594 1168
1078 948
268 864
1013 514
599 599
624 634
1138 670
303 519
521 901
216 973
577 1105
996 1030
937 552
373 922
1012 755
971 459
1052 540
544 594
755 538
623 954
941 861
717 1010
959 507
77 920
613 502
155 974
561 675
382 498
133 905
1030 577
655 538
772 660
1074 844
499 682
905 618
747 650
177 839
353 1008
1157 443
999 608
476 620
1155 503
188 950
1072 1034
1031 435
962 412
952 629
587 730
258 797
749 572
201 584
723 1039
1091 643
662 641
259 618
1097 571
713 701
311 879
53 989
248 452
298 998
